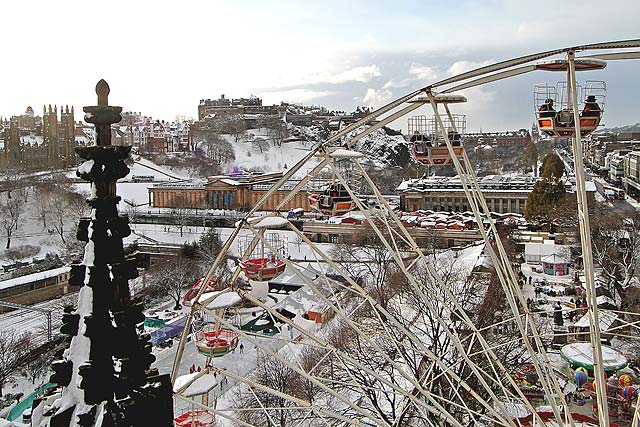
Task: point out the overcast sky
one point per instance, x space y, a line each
162 57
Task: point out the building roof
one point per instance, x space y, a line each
490 183
30 278
539 249
554 259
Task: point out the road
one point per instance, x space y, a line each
619 206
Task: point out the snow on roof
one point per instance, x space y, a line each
30 278
259 289
603 299
341 153
194 384
554 259
208 296
581 353
224 300
300 301
271 221
230 181
304 323
606 319
351 214
543 249
289 277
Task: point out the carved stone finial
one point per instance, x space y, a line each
102 89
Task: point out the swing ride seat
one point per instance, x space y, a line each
436 156
263 269
215 342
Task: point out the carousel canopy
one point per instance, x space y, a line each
581 354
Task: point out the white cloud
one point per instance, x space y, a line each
460 67
361 74
294 95
423 72
376 97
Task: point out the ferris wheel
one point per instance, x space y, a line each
409 348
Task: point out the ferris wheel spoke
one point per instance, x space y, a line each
505 273
453 300
359 365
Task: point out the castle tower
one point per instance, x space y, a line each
50 135
13 153
66 135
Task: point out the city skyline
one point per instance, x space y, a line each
335 55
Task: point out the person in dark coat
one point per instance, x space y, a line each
546 109
591 107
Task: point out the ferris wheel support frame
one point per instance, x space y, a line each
587 256
508 279
366 298
504 271
318 149
489 354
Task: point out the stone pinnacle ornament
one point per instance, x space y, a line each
104 375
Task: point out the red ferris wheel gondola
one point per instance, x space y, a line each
332 200
266 260
554 108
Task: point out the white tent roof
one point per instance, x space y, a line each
194 384
606 319
554 259
539 249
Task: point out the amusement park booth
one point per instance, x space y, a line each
555 265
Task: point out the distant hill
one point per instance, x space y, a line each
626 128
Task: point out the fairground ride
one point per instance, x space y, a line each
411 383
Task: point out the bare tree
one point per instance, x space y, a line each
65 210
173 278
616 247
276 375
11 209
42 200
233 125
260 144
276 129
37 364
14 351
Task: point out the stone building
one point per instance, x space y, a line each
503 194
632 174
230 107
59 135
34 142
225 192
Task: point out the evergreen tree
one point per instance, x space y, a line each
530 156
544 202
552 167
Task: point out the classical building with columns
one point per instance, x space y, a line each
226 192
504 194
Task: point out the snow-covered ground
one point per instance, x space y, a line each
275 159
170 234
